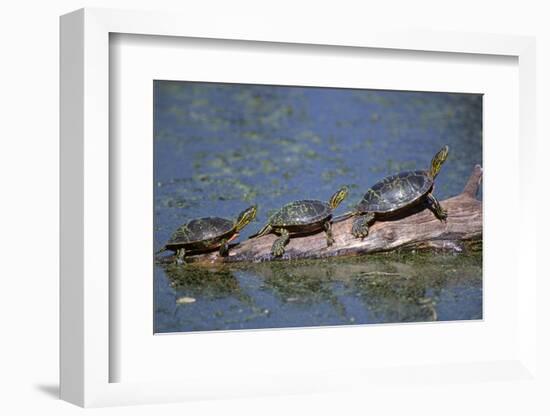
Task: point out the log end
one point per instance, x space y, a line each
472 186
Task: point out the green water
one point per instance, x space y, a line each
219 148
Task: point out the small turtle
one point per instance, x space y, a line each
206 234
397 193
302 217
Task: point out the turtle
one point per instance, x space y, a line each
396 193
302 217
207 234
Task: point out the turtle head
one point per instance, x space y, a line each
338 197
438 160
245 217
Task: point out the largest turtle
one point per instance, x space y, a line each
302 217
207 234
397 193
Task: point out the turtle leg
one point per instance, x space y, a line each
278 248
224 248
180 256
360 227
436 208
328 231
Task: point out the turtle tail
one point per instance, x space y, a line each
162 250
265 230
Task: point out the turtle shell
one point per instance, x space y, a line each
202 232
395 192
301 213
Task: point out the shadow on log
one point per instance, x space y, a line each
418 230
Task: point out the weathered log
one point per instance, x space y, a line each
416 230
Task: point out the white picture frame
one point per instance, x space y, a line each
86 291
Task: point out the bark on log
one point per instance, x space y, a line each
419 230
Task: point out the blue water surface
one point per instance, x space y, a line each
219 148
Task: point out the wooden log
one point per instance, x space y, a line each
416 230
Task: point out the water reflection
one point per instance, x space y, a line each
371 289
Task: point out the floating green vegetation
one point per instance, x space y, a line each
277 117
330 175
309 136
195 281
176 203
268 166
252 136
393 166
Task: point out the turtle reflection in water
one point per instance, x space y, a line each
397 193
207 234
302 217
